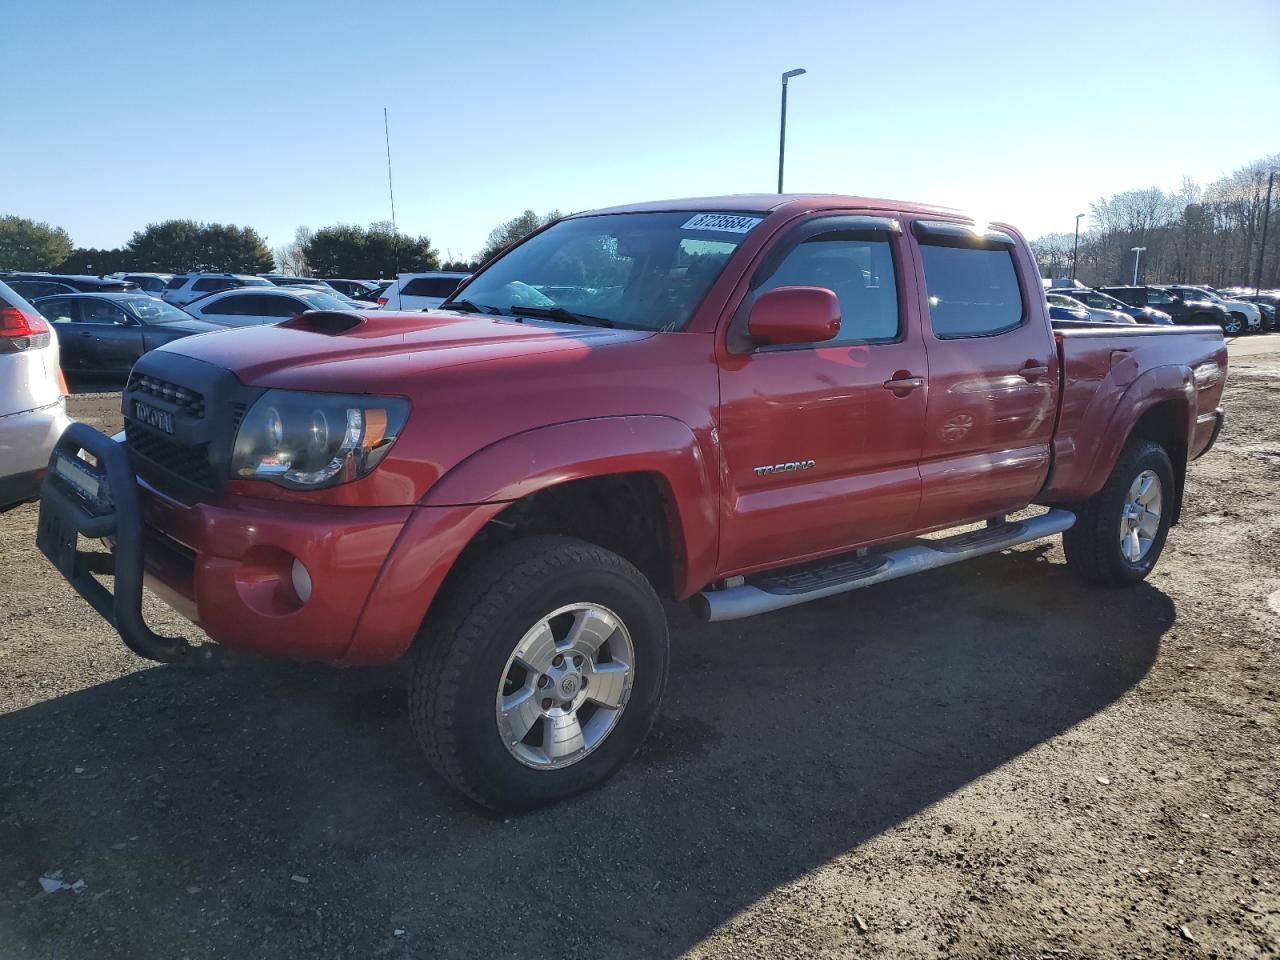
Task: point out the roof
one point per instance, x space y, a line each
770 202
77 277
100 295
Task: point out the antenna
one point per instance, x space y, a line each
386 129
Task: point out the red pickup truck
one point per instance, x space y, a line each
747 402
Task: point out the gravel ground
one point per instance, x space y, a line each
988 761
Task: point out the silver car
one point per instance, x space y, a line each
33 403
249 307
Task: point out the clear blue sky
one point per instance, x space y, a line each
270 114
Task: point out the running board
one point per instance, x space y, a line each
775 590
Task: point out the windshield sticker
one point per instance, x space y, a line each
721 222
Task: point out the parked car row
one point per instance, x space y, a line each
1171 303
409 291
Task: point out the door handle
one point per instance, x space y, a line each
906 384
1033 371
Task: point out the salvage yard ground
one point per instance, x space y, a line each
992 760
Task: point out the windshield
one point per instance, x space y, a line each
150 310
320 300
642 271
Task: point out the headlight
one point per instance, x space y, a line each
311 440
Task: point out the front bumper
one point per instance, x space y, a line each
228 566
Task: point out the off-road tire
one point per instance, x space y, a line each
1092 545
464 647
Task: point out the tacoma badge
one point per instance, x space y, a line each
789 467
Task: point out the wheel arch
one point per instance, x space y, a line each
641 486
658 461
1158 406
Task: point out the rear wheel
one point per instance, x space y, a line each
1120 531
1233 325
543 674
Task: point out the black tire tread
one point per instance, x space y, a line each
1090 548
479 597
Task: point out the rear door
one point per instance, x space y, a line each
993 375
819 452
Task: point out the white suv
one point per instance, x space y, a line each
186 287
33 402
420 291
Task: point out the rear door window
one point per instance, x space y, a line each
973 290
213 283
430 286
269 306
232 305
31 289
60 310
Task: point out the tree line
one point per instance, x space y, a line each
181 246
1210 235
1195 234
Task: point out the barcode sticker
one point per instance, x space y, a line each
721 222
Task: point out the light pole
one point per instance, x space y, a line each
782 132
1137 255
1075 247
1262 248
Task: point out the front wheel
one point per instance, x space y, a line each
1233 325
542 675
1120 531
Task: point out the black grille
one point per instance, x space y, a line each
188 401
189 461
238 410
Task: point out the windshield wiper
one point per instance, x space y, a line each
563 315
466 306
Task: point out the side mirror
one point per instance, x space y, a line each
795 315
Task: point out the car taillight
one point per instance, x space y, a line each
21 330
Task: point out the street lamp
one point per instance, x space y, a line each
1137 255
782 133
1075 247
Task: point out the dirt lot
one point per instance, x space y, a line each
988 761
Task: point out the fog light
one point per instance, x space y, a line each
301 581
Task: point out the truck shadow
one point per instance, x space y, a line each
283 811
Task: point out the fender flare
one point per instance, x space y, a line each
1155 386
517 466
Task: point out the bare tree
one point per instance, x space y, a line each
291 259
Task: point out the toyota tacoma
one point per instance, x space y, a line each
744 402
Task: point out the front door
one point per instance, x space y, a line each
993 376
819 450
112 339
